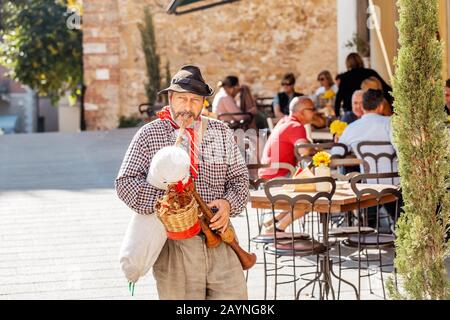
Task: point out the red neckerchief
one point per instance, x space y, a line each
164 114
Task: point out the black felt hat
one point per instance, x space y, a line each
189 79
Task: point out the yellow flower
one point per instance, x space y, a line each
448 118
206 104
321 158
338 127
329 94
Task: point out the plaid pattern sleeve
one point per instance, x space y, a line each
222 170
131 185
237 179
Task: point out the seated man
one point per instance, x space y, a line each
280 145
357 108
371 127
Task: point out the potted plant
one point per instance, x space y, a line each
321 161
361 46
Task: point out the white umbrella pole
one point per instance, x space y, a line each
380 38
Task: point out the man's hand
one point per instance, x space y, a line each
221 219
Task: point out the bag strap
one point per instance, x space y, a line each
203 129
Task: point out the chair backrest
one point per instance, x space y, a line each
310 200
381 157
255 181
244 123
264 105
380 195
325 146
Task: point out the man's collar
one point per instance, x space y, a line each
371 114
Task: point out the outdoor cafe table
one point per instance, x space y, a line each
343 200
321 134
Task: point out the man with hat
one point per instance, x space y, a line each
187 269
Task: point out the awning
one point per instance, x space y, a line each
175 4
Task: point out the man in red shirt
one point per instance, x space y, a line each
288 131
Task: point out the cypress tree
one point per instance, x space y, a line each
423 143
152 59
168 79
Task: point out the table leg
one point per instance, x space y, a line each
328 263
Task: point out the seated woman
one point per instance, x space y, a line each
326 93
224 101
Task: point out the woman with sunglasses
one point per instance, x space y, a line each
282 99
324 96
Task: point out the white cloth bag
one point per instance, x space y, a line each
141 245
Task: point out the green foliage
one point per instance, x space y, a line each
168 78
361 46
39 48
423 150
152 59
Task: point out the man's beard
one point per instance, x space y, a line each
179 116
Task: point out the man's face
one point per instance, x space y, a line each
447 97
306 112
357 104
185 104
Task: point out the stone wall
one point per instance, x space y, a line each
257 40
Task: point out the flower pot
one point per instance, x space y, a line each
322 171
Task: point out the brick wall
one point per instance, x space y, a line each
257 40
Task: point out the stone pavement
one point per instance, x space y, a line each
62 224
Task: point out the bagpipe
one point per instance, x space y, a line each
181 209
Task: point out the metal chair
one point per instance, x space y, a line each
265 105
243 124
291 247
256 183
338 164
373 240
339 232
150 110
365 151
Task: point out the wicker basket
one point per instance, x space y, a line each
181 223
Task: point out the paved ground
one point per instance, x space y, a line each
62 224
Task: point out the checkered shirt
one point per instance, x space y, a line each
223 173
